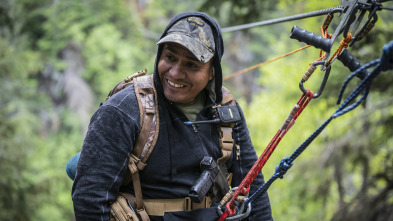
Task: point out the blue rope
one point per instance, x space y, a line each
383 64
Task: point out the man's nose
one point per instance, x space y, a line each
177 71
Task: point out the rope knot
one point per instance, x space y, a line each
283 167
345 42
387 57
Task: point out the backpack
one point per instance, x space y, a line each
127 206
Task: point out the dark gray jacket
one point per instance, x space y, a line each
173 166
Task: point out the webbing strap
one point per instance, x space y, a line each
138 191
226 142
227 97
157 207
144 215
137 184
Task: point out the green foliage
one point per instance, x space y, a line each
238 12
50 49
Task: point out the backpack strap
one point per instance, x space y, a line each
225 130
147 101
149 123
148 111
125 83
140 208
148 108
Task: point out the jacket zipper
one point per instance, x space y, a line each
198 141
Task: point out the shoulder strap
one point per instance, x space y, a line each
148 109
149 121
147 138
125 83
225 130
227 98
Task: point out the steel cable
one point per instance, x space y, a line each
283 19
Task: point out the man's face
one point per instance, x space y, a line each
182 75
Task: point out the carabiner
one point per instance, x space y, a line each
309 73
240 214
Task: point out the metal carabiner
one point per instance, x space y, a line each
239 216
309 73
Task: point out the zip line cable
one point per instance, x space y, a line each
238 73
274 21
284 19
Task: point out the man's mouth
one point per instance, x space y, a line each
174 84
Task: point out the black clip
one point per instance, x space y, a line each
308 74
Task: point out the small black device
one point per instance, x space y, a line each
220 115
202 186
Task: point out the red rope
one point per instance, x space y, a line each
244 186
223 216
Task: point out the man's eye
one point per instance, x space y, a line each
170 57
192 65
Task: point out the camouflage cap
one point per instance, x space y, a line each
194 34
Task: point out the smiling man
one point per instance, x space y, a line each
182 75
188 83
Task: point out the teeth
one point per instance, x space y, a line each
175 85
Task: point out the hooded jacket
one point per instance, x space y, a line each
174 165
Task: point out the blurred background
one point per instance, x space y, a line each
60 58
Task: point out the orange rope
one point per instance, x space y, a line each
238 73
343 44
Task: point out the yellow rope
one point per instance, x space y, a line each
238 73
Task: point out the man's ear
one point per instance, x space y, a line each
211 73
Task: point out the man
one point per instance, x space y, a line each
188 80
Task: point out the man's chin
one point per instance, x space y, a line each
176 99
172 98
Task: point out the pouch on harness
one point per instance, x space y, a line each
127 206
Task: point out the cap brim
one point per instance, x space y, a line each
198 49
